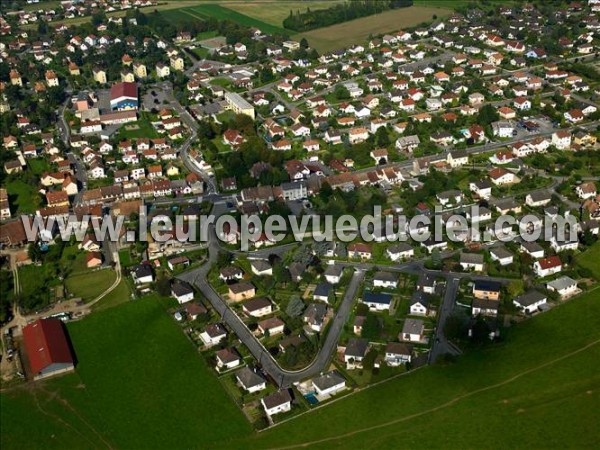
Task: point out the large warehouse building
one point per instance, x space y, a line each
124 96
47 348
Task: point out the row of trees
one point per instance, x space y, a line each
339 13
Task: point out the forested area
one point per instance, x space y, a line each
354 9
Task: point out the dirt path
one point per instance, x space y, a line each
443 405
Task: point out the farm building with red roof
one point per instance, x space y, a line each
47 348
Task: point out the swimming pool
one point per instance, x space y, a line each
311 398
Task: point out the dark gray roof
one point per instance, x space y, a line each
323 289
381 298
180 288
420 297
413 326
501 252
398 348
356 347
260 265
471 258
399 248
530 298
485 304
315 312
386 276
256 304
334 269
277 398
248 378
142 270
328 380
561 283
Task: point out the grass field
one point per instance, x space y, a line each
358 30
275 12
516 394
591 260
22 196
140 129
139 383
221 12
540 386
121 294
89 285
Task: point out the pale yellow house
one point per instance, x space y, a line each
74 69
176 62
51 78
139 70
15 78
99 76
127 76
172 171
162 71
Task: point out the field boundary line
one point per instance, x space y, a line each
443 405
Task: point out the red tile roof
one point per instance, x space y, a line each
46 344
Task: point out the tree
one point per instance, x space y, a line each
341 92
487 115
163 286
98 18
371 327
42 27
369 361
515 288
303 43
224 259
454 327
281 274
295 306
381 137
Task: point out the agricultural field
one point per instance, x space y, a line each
222 13
356 31
113 400
275 12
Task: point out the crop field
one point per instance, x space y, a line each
275 12
358 30
139 383
222 13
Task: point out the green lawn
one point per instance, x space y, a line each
89 285
24 197
590 260
515 394
140 129
539 386
121 294
139 383
38 166
223 13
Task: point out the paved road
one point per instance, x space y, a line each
281 376
440 343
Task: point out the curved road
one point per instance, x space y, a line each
282 377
